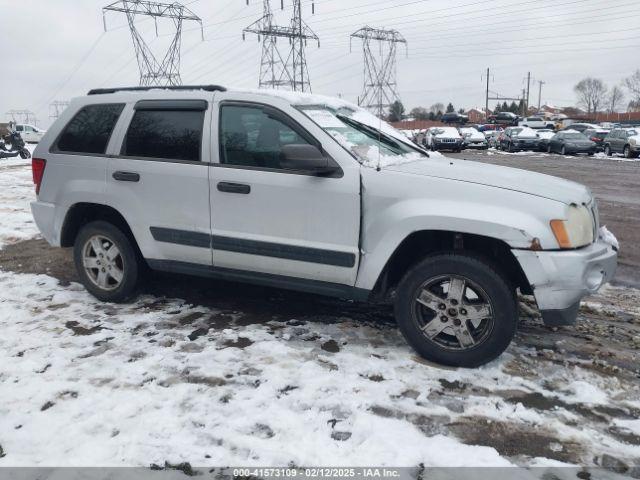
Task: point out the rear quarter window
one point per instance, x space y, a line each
90 129
165 134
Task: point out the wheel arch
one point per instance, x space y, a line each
420 244
82 213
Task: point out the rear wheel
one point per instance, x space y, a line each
106 262
563 150
549 148
607 150
456 310
627 152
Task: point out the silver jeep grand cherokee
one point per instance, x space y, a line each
313 194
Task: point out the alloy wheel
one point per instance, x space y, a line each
453 312
103 262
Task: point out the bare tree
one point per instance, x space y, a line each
591 93
615 98
633 85
437 107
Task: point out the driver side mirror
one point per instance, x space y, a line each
307 158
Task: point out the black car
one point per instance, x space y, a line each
623 140
454 117
514 139
597 136
567 143
505 118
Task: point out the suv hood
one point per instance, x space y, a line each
523 181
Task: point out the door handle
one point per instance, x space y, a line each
126 176
229 187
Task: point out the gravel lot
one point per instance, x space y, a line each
215 373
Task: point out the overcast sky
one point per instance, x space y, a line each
57 49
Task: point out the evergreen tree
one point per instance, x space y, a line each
450 108
396 110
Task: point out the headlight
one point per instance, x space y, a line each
577 230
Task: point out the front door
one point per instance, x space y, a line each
271 221
159 180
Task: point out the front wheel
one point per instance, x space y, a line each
607 150
456 310
563 150
106 262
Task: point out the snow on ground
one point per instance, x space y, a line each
16 191
528 153
88 383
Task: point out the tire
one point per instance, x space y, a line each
549 148
510 148
491 335
101 279
626 152
563 151
607 150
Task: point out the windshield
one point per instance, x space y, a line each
368 144
632 132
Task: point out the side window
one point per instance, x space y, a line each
165 134
19 128
90 129
249 136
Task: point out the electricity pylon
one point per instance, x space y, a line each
275 71
56 108
152 71
379 90
22 116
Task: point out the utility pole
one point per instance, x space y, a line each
524 103
275 72
154 72
379 90
540 83
526 106
486 98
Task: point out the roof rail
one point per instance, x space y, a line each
207 88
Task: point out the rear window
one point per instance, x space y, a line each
90 129
165 134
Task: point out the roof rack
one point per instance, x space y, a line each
207 88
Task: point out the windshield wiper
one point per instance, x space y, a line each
383 137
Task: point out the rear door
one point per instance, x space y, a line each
158 179
267 220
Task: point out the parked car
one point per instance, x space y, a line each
505 118
472 138
571 142
492 137
29 133
313 194
597 135
544 135
454 117
535 122
443 138
623 140
580 127
514 139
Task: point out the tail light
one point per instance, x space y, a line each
596 139
37 168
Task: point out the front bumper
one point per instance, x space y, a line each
560 279
440 145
